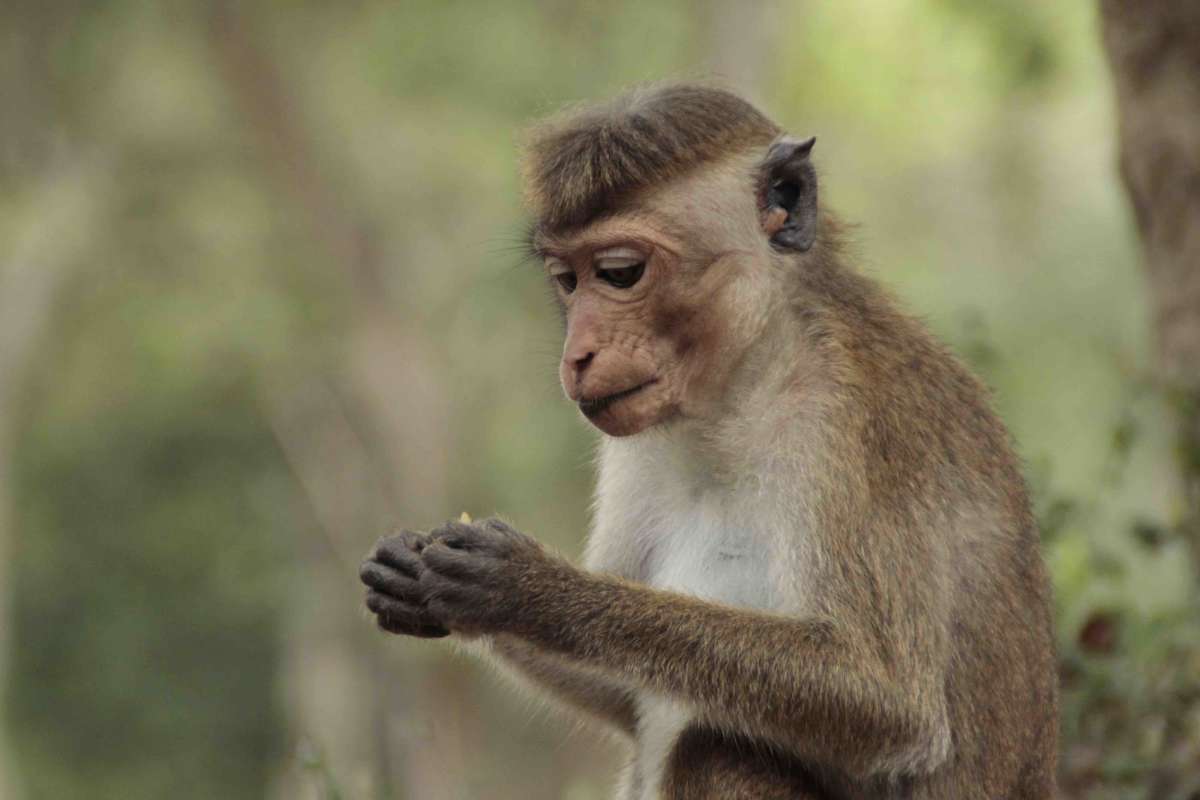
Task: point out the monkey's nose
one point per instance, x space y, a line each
581 363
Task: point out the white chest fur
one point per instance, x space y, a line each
661 521
661 518
702 552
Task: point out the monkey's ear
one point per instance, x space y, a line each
789 194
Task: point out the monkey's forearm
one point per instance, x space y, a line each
808 685
594 694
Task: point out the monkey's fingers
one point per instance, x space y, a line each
455 563
383 578
402 551
460 536
397 617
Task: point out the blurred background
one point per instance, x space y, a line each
262 298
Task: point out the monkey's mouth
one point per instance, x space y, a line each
594 406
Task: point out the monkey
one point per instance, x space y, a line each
813 570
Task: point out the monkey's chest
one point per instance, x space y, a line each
708 558
707 549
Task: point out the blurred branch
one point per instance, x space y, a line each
395 390
331 463
256 86
740 42
362 454
60 216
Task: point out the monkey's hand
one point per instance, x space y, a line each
479 575
395 594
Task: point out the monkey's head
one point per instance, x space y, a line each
665 221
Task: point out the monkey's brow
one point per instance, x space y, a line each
652 230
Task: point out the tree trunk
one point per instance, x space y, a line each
1154 49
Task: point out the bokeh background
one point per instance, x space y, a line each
262 298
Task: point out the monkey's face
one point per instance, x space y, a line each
655 303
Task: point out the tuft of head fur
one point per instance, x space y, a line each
581 164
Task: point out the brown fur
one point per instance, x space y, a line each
578 164
910 655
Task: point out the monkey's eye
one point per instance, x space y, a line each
563 274
620 272
567 281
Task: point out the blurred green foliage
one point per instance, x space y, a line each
151 564
298 313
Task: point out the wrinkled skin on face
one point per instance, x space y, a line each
662 299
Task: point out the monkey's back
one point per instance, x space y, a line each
940 457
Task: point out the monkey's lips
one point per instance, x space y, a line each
593 407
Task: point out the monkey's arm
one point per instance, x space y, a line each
585 690
833 689
811 685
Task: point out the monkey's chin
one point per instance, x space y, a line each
624 413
